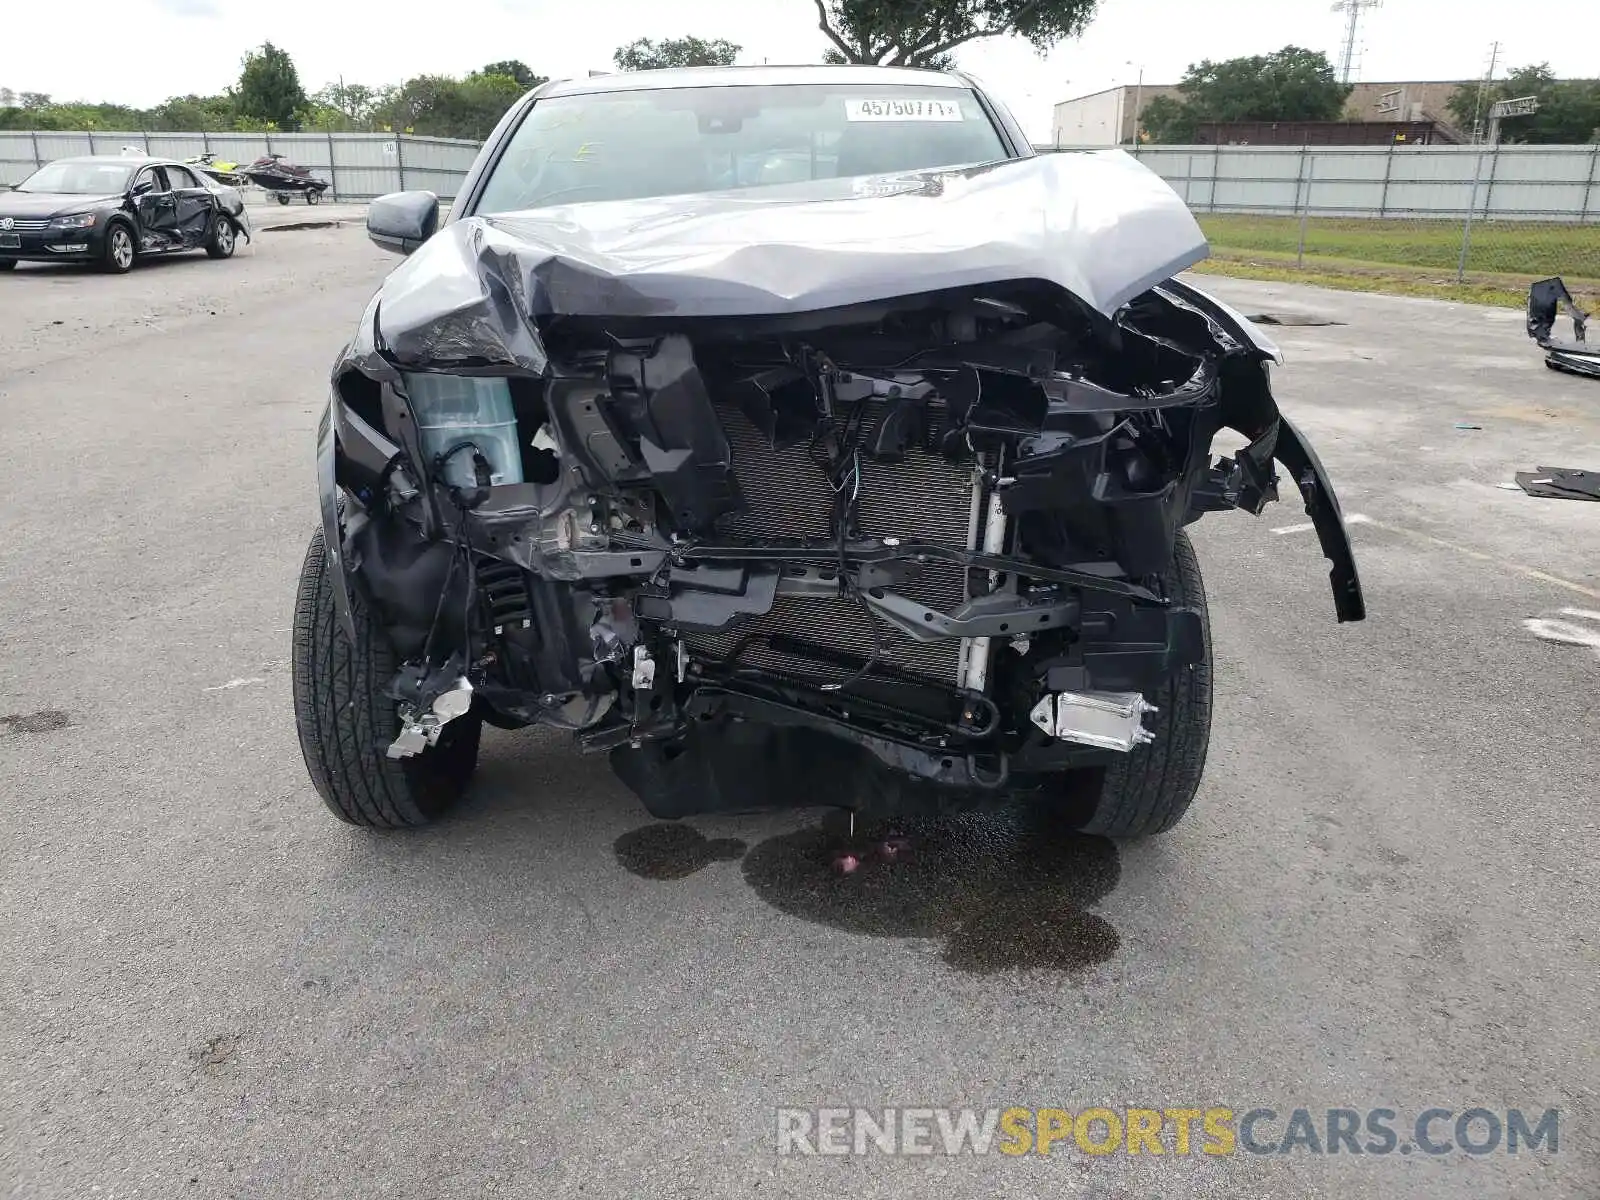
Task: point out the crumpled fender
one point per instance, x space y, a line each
1322 506
1275 437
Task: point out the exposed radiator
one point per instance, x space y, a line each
924 497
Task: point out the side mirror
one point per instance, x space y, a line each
144 186
402 221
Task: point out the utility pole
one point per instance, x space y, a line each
1483 91
1138 103
1352 10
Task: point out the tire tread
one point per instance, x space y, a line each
346 722
1148 790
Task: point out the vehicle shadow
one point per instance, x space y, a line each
47 271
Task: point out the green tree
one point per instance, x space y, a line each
485 97
269 88
343 106
1292 84
182 113
940 62
921 33
447 107
647 55
1569 109
516 69
1167 120
46 114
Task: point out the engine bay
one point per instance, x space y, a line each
932 528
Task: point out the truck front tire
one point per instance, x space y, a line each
346 721
1149 789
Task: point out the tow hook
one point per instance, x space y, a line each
419 731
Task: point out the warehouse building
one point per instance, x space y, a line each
1104 118
1107 118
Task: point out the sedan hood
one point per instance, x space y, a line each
48 204
1099 225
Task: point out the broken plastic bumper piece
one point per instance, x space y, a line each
1110 720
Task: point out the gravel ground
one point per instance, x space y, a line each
1384 896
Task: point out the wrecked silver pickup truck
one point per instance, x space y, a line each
793 436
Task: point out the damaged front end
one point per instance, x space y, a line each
925 533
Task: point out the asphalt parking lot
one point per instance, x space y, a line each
1384 897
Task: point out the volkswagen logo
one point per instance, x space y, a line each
7 223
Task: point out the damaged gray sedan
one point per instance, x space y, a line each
794 436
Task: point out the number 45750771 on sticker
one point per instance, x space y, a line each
888 109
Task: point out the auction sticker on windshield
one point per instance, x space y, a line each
902 110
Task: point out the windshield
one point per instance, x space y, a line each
78 178
661 142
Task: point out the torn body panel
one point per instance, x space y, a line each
902 522
1547 299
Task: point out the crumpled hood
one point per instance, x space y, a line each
1099 224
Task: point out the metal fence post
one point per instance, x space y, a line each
400 159
1309 168
1488 184
333 174
1588 191
205 141
1388 170
145 133
1466 229
33 136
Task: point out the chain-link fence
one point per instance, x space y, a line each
1474 222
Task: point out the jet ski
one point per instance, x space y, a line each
283 178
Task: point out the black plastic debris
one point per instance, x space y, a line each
1560 483
1299 319
1546 300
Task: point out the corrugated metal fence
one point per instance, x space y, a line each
1488 214
1528 183
1398 216
1534 183
358 165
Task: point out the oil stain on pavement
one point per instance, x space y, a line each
45 721
1001 888
672 851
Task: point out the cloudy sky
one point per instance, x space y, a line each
167 47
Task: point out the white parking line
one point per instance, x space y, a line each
1306 526
1515 568
1565 632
